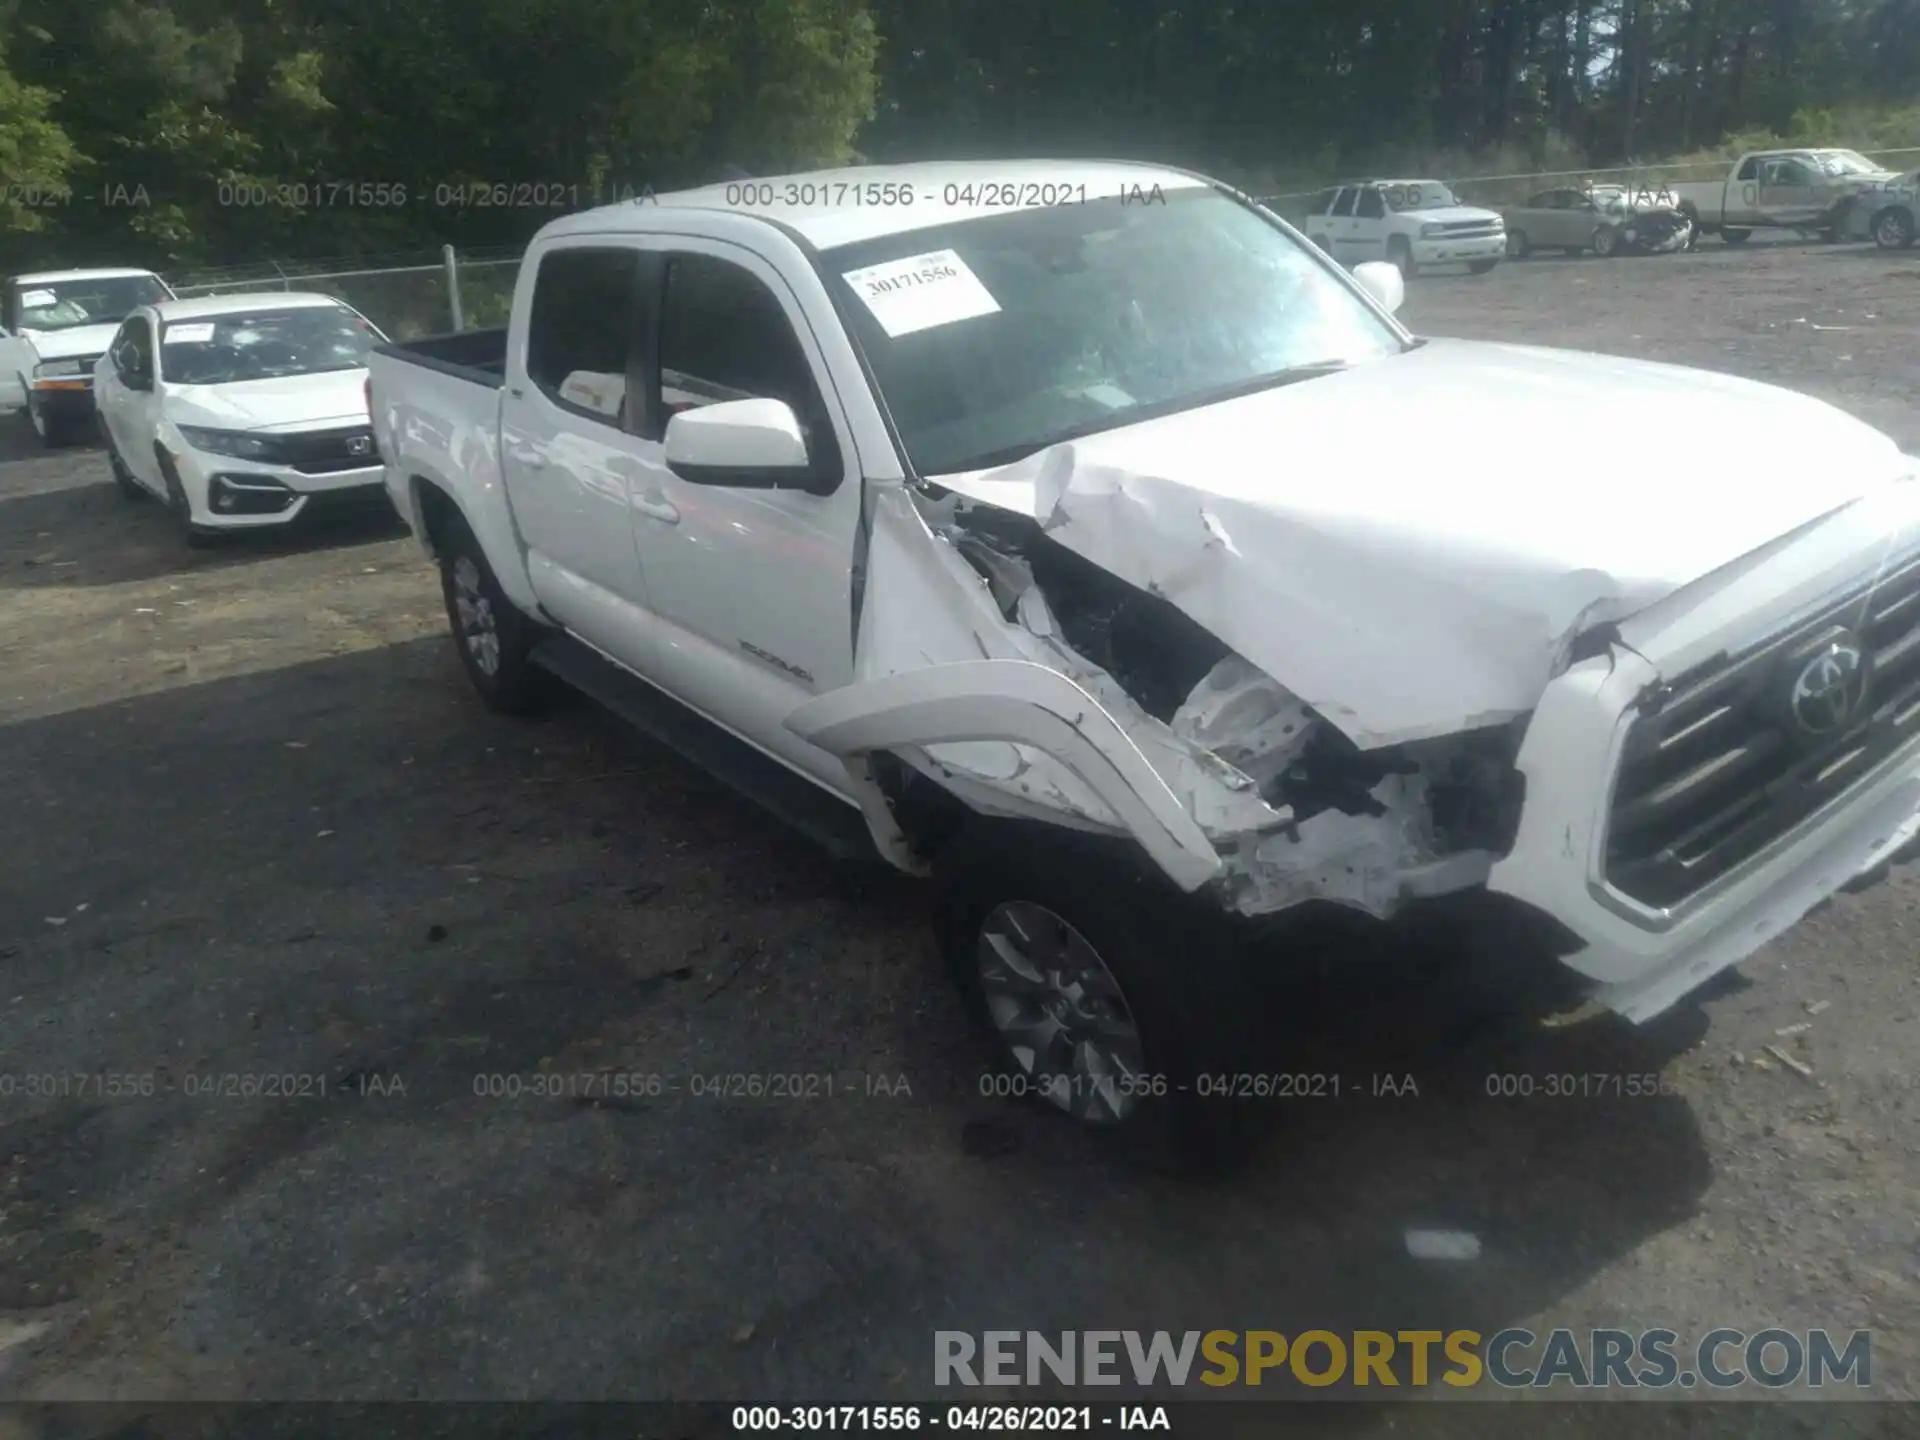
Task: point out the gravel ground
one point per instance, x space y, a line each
260 828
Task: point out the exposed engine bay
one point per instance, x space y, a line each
1292 807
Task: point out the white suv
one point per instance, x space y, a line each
1408 223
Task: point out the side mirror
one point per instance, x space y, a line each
750 444
1383 282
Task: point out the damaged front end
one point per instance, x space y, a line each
1022 680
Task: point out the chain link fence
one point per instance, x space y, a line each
413 296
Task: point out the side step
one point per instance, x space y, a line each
833 824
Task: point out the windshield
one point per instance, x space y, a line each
262 344
66 304
1417 195
1846 162
995 337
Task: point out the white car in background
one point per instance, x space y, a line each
1406 223
242 412
54 324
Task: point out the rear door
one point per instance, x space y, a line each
570 463
126 399
1368 239
16 356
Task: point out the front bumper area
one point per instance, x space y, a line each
1645 960
1449 250
65 400
227 494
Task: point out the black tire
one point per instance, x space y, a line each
1400 255
1178 964
55 431
1481 267
122 476
1893 228
494 639
196 538
1518 246
1606 241
1736 237
1692 217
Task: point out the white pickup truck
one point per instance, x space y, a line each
1807 190
1009 513
54 326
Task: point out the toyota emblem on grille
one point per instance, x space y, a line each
359 444
1828 688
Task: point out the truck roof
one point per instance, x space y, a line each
832 207
47 277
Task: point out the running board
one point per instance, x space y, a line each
835 825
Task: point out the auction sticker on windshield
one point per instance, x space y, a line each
36 299
921 291
188 334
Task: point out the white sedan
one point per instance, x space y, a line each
242 412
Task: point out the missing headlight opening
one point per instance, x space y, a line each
1295 810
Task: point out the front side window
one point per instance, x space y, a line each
584 328
133 348
264 345
69 304
1748 170
1000 335
1344 205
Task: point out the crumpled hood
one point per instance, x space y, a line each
1408 545
80 341
290 402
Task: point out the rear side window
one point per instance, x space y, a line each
1321 203
725 336
583 331
1748 170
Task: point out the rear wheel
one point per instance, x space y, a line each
1893 229
1109 996
1736 237
495 639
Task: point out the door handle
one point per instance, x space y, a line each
660 510
532 459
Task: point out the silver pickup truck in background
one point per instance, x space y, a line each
1807 190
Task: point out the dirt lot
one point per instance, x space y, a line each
258 827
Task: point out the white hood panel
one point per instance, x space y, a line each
81 340
1408 545
292 402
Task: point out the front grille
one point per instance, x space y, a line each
1728 758
1466 229
322 452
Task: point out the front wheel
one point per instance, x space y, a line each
1481 267
1400 256
1893 229
495 639
1736 237
1606 242
1109 996
50 427
1518 246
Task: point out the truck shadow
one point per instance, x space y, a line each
425 892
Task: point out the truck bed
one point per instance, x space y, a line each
479 356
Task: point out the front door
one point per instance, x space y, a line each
1369 238
1787 191
125 400
752 589
568 458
